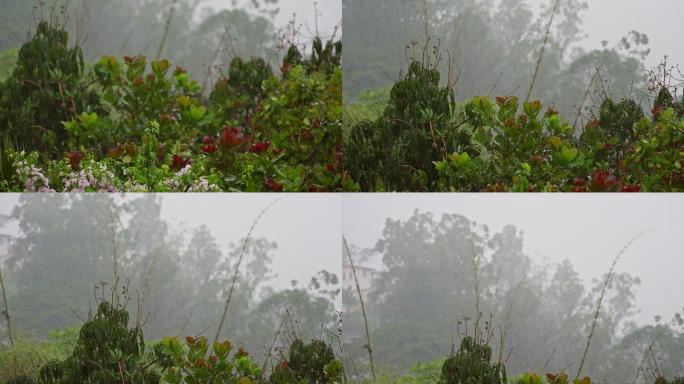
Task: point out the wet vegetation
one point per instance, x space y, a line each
133 123
425 141
101 289
567 119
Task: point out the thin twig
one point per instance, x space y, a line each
277 332
586 95
363 308
237 269
541 54
5 311
166 30
603 292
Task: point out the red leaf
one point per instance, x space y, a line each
75 158
179 163
273 185
259 146
209 145
232 137
631 188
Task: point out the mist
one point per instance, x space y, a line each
627 15
491 48
172 259
538 263
327 14
201 36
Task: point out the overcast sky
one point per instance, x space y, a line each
306 227
587 229
612 19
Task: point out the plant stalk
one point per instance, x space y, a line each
541 54
363 308
5 311
166 30
237 270
603 292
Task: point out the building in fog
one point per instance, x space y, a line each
365 275
5 245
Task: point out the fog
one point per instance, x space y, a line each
533 266
306 228
329 14
587 230
491 48
611 19
177 257
202 36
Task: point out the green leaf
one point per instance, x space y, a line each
532 108
568 154
197 113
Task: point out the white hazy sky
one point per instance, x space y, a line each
306 227
588 230
610 20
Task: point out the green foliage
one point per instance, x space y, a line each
412 133
189 363
369 106
472 364
312 363
149 127
425 141
611 136
43 90
662 380
8 60
549 378
324 58
241 90
106 351
27 355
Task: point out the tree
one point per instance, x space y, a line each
443 274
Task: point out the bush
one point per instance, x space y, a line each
108 351
425 141
135 125
313 363
472 364
43 90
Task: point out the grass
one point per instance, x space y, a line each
8 60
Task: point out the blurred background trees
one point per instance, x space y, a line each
439 275
71 247
488 48
189 32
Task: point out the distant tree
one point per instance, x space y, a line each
443 273
487 47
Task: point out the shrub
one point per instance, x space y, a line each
148 127
43 90
313 363
190 363
106 352
472 364
425 141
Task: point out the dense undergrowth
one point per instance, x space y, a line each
424 140
108 350
141 125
